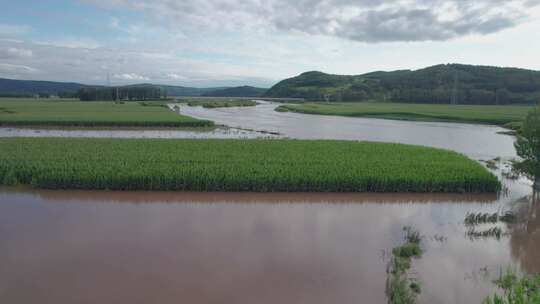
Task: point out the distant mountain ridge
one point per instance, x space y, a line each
445 83
32 87
12 86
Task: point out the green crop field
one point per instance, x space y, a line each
28 112
221 103
238 165
498 115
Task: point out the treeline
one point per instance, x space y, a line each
461 96
39 95
122 93
463 84
445 84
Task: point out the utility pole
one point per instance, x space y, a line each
454 89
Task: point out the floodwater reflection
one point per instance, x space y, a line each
71 247
247 197
525 235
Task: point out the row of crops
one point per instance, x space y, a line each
210 104
92 114
238 165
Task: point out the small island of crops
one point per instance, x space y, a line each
51 113
238 165
511 116
220 103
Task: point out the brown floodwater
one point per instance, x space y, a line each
170 247
63 247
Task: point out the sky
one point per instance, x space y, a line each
206 43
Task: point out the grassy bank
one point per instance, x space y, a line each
498 115
91 114
221 103
238 165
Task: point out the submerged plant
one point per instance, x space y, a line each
400 288
494 232
516 290
399 291
412 235
472 219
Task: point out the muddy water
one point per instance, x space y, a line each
144 247
114 247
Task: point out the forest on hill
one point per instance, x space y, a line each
443 84
30 88
243 91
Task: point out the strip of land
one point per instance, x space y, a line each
238 165
497 115
219 103
51 113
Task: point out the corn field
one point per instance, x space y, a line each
237 165
92 114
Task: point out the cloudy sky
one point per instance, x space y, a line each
257 42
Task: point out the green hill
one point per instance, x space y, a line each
12 87
444 84
243 91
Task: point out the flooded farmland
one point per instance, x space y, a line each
147 247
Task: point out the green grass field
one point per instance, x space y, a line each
31 112
238 165
498 115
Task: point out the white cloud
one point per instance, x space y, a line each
130 76
175 76
73 43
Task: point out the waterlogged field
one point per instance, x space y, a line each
27 112
238 165
498 115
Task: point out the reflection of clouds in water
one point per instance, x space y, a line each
246 253
142 197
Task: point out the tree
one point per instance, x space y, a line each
528 147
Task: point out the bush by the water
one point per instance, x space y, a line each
239 165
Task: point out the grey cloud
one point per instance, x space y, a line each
360 20
13 53
16 70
